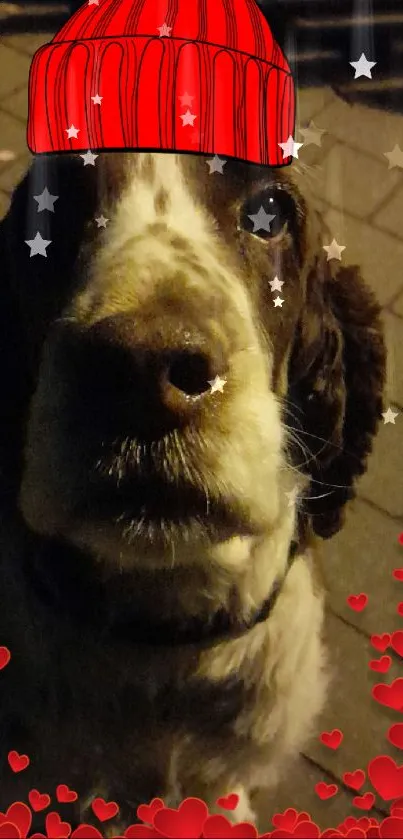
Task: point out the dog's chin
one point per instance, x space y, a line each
129 541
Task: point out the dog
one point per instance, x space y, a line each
190 389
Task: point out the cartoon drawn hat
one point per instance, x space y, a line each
163 75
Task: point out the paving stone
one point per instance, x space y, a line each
14 70
298 791
17 104
379 255
11 174
361 558
368 129
351 707
12 134
390 217
27 43
4 203
394 341
311 102
382 484
356 182
398 305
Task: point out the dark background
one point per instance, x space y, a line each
320 38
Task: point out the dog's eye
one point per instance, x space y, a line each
267 213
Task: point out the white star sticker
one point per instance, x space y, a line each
93 2
334 250
261 220
217 384
89 158
72 132
38 245
395 157
278 302
186 100
276 284
97 99
164 30
362 67
216 164
46 201
101 221
312 134
290 148
389 416
188 118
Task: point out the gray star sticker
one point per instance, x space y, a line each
261 220
89 158
46 201
276 284
38 245
101 221
390 416
216 164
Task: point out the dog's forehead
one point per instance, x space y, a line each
204 177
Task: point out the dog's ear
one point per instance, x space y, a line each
34 288
14 374
337 377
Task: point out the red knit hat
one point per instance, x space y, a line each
163 75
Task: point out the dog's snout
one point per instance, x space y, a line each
150 373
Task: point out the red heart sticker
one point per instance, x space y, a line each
398 573
381 642
331 739
390 695
55 828
5 656
330 833
8 830
289 819
381 665
357 602
307 830
325 791
397 803
228 802
386 777
18 762
146 812
38 801
391 828
65 795
135 831
218 827
364 802
355 779
310 830
87 831
104 810
20 815
184 823
396 642
395 735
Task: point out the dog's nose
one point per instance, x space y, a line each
148 374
